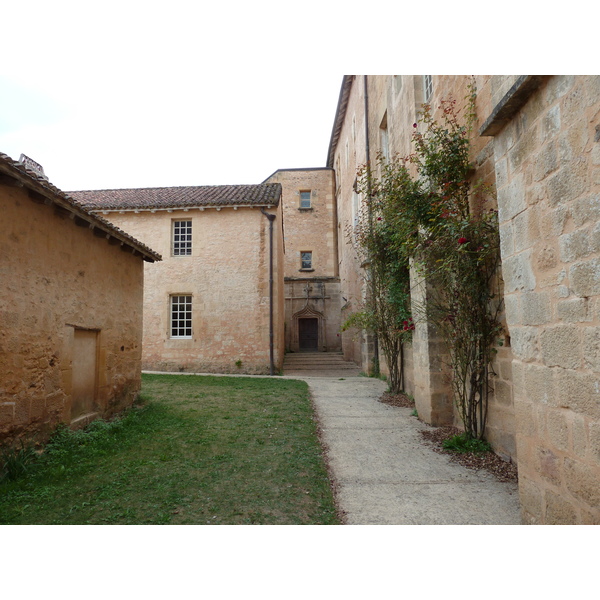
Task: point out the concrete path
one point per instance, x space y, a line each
386 475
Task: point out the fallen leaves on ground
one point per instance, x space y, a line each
435 436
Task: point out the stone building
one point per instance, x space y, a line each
208 305
537 142
70 308
312 290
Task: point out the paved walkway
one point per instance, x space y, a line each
387 476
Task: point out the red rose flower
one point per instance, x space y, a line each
462 240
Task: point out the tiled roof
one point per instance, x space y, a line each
266 194
40 189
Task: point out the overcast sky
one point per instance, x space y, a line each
137 94
161 94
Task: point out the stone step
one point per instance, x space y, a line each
318 364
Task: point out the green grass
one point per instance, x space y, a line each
461 443
201 449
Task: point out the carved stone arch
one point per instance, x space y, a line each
308 312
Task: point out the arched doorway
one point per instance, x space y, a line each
308 331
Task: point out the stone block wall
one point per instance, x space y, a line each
547 159
59 280
227 276
394 105
311 292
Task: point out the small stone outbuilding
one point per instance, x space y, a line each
70 309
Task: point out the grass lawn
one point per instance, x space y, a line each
200 450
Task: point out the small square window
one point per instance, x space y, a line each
305 199
181 316
305 260
182 238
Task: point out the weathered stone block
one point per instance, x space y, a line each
501 173
575 245
578 391
591 345
558 510
507 239
511 199
536 307
551 123
546 258
512 309
582 481
561 346
552 223
565 185
531 497
539 384
574 310
557 429
518 273
585 209
585 277
550 465
524 342
545 162
503 393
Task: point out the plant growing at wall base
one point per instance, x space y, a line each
387 306
16 461
426 210
458 253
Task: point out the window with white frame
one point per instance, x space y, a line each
181 317
306 260
427 87
305 199
182 238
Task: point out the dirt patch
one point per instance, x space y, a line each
488 461
435 436
401 400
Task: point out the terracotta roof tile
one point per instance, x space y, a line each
266 194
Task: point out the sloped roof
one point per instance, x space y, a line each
39 189
340 115
266 194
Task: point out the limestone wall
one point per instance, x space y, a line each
227 276
394 105
70 320
314 292
547 159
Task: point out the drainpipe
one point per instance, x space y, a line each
271 218
368 159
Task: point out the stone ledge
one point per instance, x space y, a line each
512 102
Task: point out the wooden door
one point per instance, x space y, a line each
84 373
308 334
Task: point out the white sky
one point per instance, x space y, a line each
137 94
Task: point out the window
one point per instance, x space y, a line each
355 208
383 138
397 83
181 316
305 260
182 238
305 199
427 87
